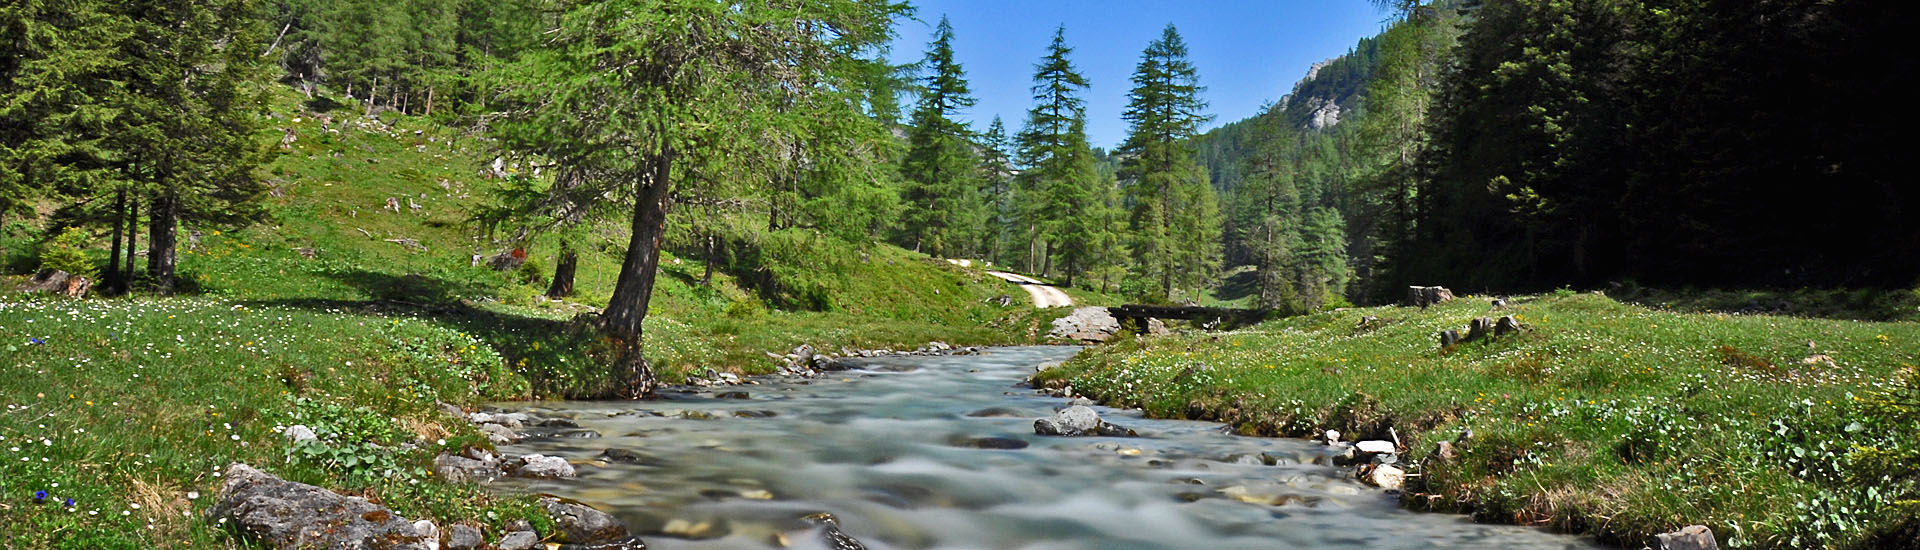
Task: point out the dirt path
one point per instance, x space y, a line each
1044 295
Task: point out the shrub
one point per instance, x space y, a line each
67 252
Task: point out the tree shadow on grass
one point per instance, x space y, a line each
560 358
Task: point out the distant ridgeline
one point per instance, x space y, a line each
1332 89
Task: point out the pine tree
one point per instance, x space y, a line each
1174 215
647 100
946 210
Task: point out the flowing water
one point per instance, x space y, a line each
893 450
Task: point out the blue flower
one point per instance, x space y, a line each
69 502
40 496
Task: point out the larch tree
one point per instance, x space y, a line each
946 210
1174 218
644 100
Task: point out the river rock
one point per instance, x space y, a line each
1692 537
460 468
1384 476
831 535
1001 443
463 537
519 540
512 421
288 515
1374 447
1078 420
1086 324
581 524
995 412
543 467
499 435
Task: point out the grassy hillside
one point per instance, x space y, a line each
129 406
1601 417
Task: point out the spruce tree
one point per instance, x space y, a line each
996 166
1060 164
1174 219
58 85
946 210
187 126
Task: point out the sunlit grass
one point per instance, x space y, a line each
1601 417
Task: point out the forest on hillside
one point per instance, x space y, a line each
1492 146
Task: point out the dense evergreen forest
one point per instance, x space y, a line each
1497 145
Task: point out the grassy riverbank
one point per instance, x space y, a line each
129 406
1600 418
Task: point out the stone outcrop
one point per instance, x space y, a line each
286 515
1086 325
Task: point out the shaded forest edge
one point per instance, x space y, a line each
1600 417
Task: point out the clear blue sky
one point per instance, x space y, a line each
1248 52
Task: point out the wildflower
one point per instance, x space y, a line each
69 502
40 496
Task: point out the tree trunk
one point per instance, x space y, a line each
133 239
110 283
706 278
563 272
161 240
429 101
631 293
1046 257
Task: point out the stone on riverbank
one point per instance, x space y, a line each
1384 476
1078 420
1692 537
1086 324
460 468
288 515
463 537
543 467
577 523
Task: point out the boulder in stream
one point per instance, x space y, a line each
543 467
1078 420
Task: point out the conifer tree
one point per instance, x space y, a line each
1174 219
946 211
186 130
1060 164
57 89
996 166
